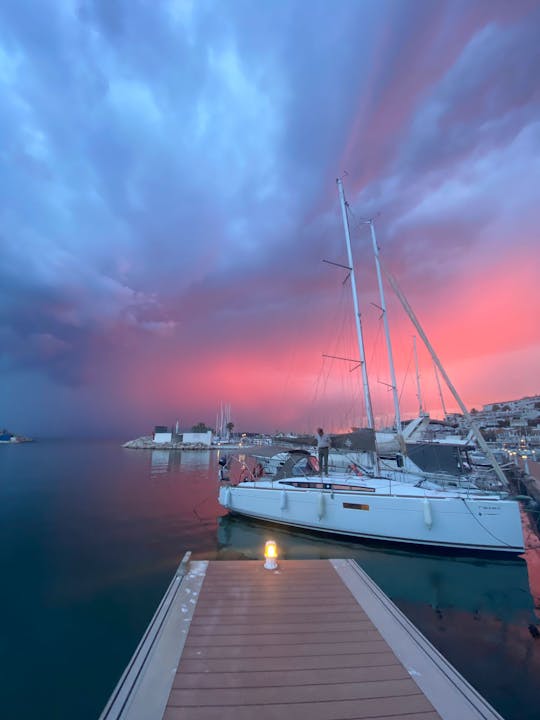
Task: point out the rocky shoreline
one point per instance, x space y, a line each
147 443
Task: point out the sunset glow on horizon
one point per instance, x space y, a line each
169 197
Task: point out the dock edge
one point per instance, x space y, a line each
447 690
143 690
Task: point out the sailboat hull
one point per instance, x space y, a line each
453 522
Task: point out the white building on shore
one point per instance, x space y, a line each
162 434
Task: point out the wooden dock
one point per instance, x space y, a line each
315 639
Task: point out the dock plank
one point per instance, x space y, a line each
203 666
396 708
280 638
273 694
283 678
269 651
217 628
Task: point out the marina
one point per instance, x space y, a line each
270 433
104 533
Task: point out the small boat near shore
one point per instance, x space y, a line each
7 437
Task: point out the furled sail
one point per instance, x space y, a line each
362 440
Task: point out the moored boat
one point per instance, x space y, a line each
8 437
382 508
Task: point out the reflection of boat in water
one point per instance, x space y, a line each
499 587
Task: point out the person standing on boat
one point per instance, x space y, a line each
323 446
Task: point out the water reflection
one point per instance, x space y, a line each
532 557
167 461
196 459
160 462
478 612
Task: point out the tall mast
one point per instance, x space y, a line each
367 396
476 430
418 388
386 329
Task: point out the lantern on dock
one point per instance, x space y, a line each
270 555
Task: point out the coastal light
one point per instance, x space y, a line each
270 555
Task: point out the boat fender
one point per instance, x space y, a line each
321 506
244 474
428 517
283 502
228 498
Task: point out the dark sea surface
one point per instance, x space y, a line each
91 533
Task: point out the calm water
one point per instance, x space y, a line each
90 535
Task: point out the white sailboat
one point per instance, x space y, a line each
368 501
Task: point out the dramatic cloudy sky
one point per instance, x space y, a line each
168 194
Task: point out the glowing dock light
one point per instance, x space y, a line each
270 555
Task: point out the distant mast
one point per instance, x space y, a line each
223 418
440 390
476 430
421 411
367 396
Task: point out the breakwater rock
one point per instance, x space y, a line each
147 443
